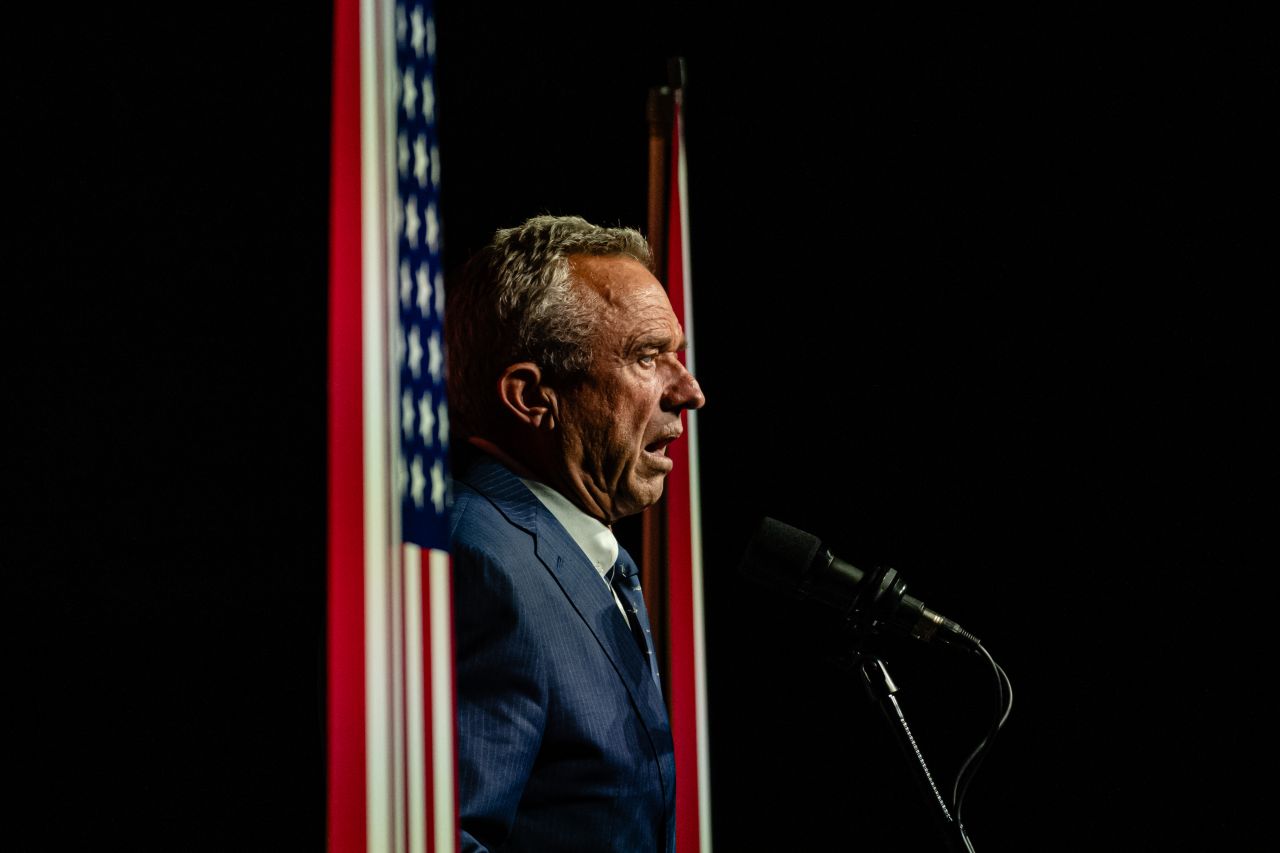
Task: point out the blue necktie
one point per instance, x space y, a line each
624 577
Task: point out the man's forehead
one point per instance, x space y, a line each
634 310
616 279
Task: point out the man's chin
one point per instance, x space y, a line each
643 497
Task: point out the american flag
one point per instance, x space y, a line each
391 706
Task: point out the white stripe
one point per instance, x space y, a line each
416 717
695 516
377 544
442 701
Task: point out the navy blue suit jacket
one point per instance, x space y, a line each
563 739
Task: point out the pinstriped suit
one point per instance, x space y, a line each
563 738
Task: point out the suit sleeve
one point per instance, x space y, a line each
501 695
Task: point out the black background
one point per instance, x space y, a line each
987 299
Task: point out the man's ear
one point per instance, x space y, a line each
522 393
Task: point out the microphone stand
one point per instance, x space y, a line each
881 689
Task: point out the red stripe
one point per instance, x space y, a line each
346 736
684 718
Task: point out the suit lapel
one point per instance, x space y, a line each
582 585
594 601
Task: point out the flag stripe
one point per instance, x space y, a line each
688 669
445 816
379 793
416 731
346 736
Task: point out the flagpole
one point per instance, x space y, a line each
672 552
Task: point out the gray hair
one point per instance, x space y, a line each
516 302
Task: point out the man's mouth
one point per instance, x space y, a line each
659 445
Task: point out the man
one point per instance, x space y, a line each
568 388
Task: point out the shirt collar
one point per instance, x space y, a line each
591 535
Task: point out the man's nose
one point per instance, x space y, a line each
684 392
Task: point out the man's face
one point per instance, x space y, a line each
617 423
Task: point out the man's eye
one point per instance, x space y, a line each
648 360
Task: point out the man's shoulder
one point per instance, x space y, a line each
491 509
489 478
486 486
474 511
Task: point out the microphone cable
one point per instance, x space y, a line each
1004 704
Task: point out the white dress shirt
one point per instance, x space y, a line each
591 535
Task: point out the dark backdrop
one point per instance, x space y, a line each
986 300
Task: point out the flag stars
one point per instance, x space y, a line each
435 356
402 154
422 160
424 291
419 481
410 90
420 472
406 285
415 351
426 418
419 37
406 413
433 227
428 99
412 223
437 486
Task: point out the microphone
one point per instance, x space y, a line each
782 557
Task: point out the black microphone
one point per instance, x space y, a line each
785 558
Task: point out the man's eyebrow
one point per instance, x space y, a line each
660 342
